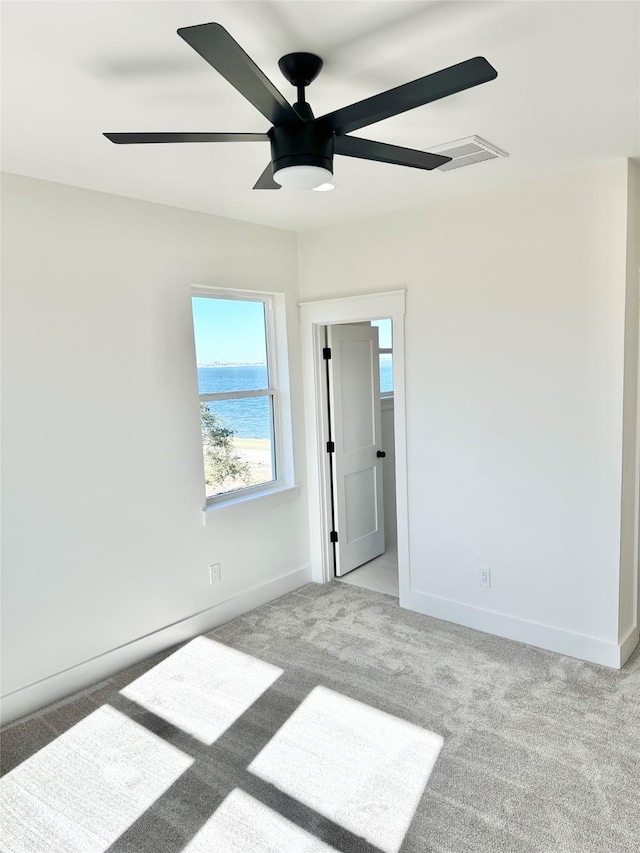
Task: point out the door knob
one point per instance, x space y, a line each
381 454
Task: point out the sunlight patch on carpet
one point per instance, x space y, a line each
83 790
203 688
359 767
241 824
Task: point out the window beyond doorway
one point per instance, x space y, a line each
238 394
385 354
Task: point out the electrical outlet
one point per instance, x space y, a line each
214 573
484 577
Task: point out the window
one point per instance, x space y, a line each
385 355
238 396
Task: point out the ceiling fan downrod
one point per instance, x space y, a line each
308 143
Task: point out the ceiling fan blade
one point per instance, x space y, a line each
137 138
265 181
450 80
219 49
366 149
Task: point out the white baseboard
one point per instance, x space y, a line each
574 645
628 644
32 697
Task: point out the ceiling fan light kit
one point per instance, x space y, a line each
302 146
301 154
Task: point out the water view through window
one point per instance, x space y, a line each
386 373
385 342
236 400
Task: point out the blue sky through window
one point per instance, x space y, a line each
384 332
228 331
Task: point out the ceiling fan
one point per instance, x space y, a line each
302 146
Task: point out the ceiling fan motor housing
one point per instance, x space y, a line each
306 144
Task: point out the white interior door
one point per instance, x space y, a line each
356 430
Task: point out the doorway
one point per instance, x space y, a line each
359 371
315 316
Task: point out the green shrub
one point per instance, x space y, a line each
222 464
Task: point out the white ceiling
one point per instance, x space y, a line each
568 91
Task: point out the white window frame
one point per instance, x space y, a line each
278 383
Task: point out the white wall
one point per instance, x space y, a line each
515 360
103 539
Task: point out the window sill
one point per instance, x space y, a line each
243 503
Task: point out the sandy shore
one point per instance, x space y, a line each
261 444
256 452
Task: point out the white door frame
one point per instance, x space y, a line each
313 317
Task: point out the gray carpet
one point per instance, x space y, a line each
539 752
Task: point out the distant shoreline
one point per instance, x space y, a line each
231 364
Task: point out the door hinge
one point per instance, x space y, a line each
331 447
326 353
333 536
